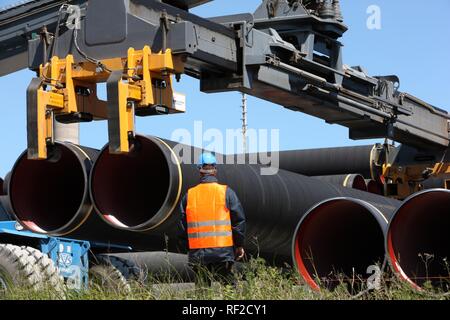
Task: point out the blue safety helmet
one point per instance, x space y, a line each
206 158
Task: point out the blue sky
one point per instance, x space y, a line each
413 43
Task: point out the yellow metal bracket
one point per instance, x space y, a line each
145 87
46 96
441 168
138 84
406 179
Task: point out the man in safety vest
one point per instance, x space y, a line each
213 222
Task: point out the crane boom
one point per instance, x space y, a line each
287 52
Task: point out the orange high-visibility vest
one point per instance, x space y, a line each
208 218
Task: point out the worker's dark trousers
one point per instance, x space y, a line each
205 274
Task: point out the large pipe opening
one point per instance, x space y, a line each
46 195
337 241
352 181
133 191
375 187
418 239
358 182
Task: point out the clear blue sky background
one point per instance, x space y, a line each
413 44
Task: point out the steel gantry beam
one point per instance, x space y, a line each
286 52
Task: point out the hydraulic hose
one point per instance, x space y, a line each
4 212
160 265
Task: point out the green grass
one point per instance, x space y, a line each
257 281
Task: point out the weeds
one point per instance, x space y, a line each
256 281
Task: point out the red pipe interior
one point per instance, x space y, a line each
359 183
375 187
46 195
338 238
419 238
128 190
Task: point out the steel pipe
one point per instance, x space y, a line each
5 208
328 161
375 187
341 237
4 211
4 189
163 266
441 182
144 190
52 197
353 181
418 240
160 265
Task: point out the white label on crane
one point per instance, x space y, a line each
179 101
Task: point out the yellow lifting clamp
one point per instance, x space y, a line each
408 179
442 170
138 84
404 179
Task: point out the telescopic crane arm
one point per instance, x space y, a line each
286 52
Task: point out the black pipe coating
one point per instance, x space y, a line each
375 187
4 212
441 182
141 192
353 181
325 162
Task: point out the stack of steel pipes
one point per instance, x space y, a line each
321 228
